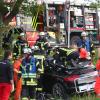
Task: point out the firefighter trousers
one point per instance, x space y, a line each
5 90
18 89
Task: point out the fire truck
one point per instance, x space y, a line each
68 21
64 22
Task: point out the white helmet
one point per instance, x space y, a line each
22 34
35 48
42 33
27 50
84 34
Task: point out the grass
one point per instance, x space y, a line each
84 97
77 97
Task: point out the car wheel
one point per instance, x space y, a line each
59 92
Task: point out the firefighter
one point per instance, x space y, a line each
97 84
6 76
83 54
19 45
87 44
70 55
42 43
17 78
28 69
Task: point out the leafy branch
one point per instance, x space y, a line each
95 5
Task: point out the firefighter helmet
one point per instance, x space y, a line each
27 50
22 34
42 33
35 48
84 34
83 53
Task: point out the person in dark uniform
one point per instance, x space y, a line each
42 43
66 55
19 45
86 43
28 69
6 76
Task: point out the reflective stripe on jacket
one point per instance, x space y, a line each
68 51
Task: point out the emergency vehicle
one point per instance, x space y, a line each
63 20
69 20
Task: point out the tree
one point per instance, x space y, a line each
6 13
9 10
33 9
95 4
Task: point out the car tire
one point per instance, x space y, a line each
59 92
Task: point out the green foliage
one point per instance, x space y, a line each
32 9
96 4
3 8
3 31
76 97
84 97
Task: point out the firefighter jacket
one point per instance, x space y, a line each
6 71
42 43
85 44
29 70
67 52
18 47
67 56
88 45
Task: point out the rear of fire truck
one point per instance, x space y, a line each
82 18
67 21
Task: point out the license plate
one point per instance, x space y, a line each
86 87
